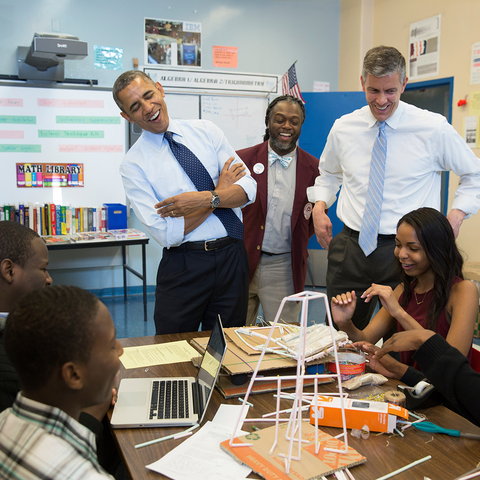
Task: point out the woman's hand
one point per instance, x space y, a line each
387 298
343 308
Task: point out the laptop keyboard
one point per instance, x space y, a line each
169 399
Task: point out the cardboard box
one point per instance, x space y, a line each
115 216
378 416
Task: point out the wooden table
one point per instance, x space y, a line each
451 456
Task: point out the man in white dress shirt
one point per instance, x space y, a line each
419 145
204 269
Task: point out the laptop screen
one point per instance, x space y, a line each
210 366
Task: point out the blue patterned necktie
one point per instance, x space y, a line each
202 180
274 156
371 217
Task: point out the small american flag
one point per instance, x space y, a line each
290 84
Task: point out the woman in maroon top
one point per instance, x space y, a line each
432 293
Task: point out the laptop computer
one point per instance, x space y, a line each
171 401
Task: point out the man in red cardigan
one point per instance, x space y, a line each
279 224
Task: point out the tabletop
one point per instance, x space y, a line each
451 456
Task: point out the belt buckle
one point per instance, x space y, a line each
207 242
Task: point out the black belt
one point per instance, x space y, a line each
354 233
206 246
270 254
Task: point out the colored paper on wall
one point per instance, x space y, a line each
226 57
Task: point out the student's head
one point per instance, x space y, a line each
141 101
425 241
383 80
284 119
23 261
63 337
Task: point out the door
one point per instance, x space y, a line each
322 109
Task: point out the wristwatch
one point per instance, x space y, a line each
215 201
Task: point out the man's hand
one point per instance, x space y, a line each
183 204
228 176
456 217
404 342
322 224
386 366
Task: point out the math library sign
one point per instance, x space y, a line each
40 175
192 79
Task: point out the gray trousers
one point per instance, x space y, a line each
270 284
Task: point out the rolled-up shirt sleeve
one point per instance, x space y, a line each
328 182
166 231
458 157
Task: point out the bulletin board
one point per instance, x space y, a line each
61 125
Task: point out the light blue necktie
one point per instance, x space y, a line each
371 217
274 156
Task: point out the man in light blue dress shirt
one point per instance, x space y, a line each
420 145
203 271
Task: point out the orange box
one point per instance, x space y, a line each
378 416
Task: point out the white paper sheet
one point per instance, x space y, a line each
201 457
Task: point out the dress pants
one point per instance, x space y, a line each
348 269
194 286
270 284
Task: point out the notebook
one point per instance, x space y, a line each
171 401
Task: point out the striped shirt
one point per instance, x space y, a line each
41 441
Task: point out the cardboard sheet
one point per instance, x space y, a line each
310 466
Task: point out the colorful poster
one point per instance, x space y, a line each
173 43
40 175
424 48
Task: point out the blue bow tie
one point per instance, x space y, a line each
273 157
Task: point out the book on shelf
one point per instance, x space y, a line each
55 219
125 233
57 239
83 237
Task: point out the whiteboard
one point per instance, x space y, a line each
242 119
62 125
183 107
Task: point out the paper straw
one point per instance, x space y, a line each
406 467
168 437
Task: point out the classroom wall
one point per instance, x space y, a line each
390 22
270 36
